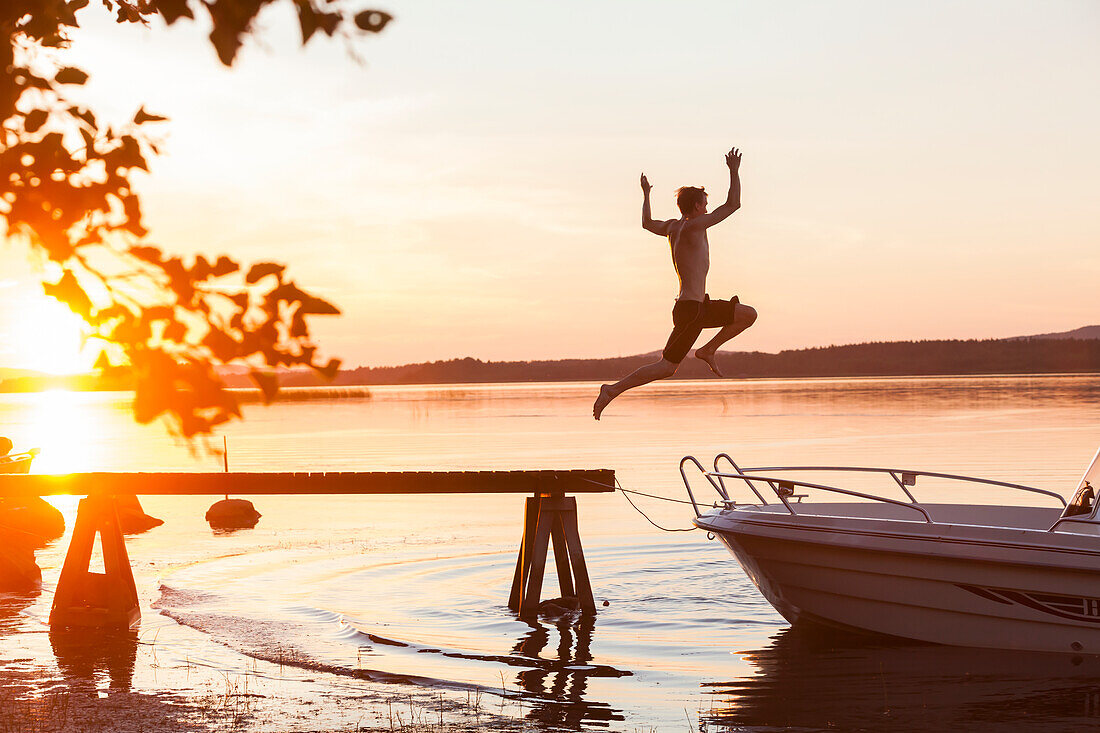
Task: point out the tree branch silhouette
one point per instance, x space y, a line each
66 189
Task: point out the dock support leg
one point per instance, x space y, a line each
561 557
526 543
549 518
83 598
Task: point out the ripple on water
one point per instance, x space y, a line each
440 620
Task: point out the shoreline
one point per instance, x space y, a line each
93 682
364 390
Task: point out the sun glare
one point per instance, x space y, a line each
47 337
64 426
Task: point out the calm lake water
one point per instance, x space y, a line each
350 591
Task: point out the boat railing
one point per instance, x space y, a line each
784 487
907 477
716 485
736 468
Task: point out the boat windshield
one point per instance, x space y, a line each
1092 474
1084 497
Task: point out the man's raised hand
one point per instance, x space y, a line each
733 159
645 184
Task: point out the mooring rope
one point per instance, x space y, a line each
626 495
628 492
651 496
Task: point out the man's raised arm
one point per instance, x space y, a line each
657 227
733 198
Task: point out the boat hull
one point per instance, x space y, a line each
963 588
20 463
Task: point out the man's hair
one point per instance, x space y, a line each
688 197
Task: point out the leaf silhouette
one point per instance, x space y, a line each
128 154
70 75
372 21
225 266
298 326
263 269
267 382
223 346
147 253
142 117
172 10
175 331
315 306
329 371
35 119
288 292
69 292
307 19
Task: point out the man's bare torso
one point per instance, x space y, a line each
691 258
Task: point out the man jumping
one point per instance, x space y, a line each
694 310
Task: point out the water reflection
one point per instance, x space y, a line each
88 658
556 685
810 679
12 606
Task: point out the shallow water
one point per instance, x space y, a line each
347 590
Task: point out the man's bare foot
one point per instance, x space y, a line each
602 401
710 360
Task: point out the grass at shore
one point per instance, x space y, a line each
29 706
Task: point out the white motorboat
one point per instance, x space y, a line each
15 462
994 576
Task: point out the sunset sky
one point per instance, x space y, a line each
911 170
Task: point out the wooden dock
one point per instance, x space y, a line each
314 482
109 599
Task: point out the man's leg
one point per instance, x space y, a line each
743 317
642 375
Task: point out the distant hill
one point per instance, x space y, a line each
895 358
1045 353
1085 332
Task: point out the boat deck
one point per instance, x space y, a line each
1012 517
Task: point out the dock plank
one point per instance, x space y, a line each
574 481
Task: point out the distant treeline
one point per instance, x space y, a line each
890 358
247 396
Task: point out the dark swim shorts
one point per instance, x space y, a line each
690 317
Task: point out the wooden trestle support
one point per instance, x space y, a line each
550 518
83 598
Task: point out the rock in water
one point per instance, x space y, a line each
555 607
18 570
132 519
232 514
33 515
